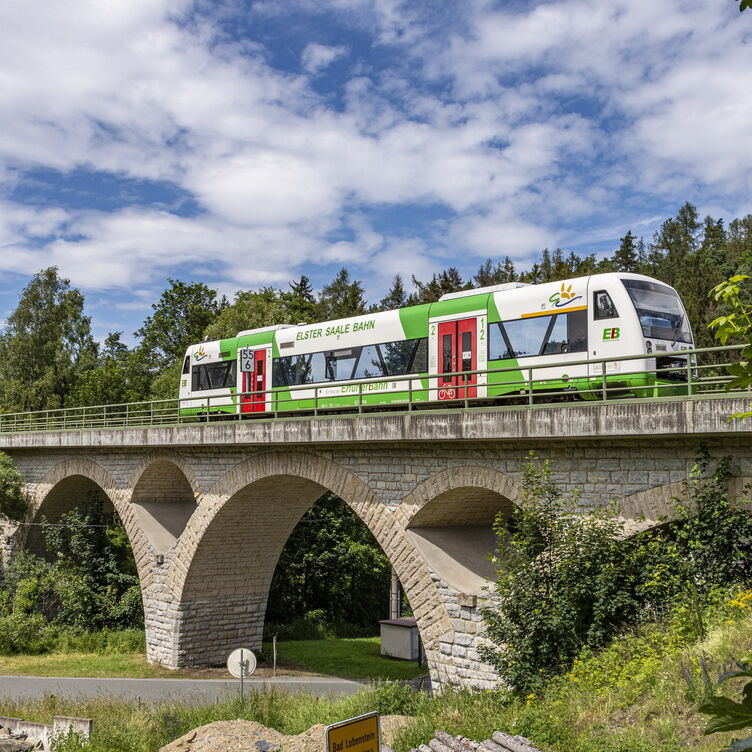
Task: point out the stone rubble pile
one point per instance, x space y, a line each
500 742
16 742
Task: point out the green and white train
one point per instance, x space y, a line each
508 339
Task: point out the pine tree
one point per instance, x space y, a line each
300 303
341 298
625 258
449 280
395 298
495 274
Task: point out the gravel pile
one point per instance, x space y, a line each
249 736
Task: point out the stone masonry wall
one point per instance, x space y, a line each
205 597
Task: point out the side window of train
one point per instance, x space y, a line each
538 335
187 364
603 305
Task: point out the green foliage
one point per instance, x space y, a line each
745 5
179 319
561 583
88 582
736 326
568 581
342 297
449 280
331 573
46 345
249 310
728 715
12 499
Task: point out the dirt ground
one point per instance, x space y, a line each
249 736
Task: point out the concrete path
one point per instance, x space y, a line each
195 691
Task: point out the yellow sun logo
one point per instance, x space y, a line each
566 291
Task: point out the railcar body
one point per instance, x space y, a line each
481 345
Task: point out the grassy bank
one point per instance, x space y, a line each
639 695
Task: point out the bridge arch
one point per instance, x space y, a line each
222 565
164 496
449 517
655 506
63 488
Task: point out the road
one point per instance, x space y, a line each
195 691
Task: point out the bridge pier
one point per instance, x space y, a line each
208 508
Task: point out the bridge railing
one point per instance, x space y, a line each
702 374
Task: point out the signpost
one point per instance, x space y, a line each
359 734
241 663
246 360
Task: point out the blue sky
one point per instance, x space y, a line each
243 142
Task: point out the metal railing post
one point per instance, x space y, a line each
360 398
409 394
603 382
689 376
530 387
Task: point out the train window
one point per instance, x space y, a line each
187 364
568 334
370 364
604 306
221 375
369 361
538 335
419 363
499 347
527 335
340 364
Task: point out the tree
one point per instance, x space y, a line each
12 499
449 280
625 258
46 345
341 298
300 303
180 317
495 274
395 298
331 562
744 4
249 310
737 326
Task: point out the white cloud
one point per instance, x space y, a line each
517 123
316 57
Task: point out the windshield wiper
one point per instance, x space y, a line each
678 328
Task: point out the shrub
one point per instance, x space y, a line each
569 581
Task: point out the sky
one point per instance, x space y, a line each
243 143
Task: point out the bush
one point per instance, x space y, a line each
568 581
26 633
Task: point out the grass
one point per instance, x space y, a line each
118 665
638 695
355 658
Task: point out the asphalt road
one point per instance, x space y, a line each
155 690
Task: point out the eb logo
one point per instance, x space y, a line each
611 333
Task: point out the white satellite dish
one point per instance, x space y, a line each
241 663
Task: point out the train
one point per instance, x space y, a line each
488 345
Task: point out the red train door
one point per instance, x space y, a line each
253 398
457 352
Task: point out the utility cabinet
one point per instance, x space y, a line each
400 638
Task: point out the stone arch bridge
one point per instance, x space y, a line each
209 507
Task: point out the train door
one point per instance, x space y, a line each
254 382
458 351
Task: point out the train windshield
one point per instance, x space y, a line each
660 310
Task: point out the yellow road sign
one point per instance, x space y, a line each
361 734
